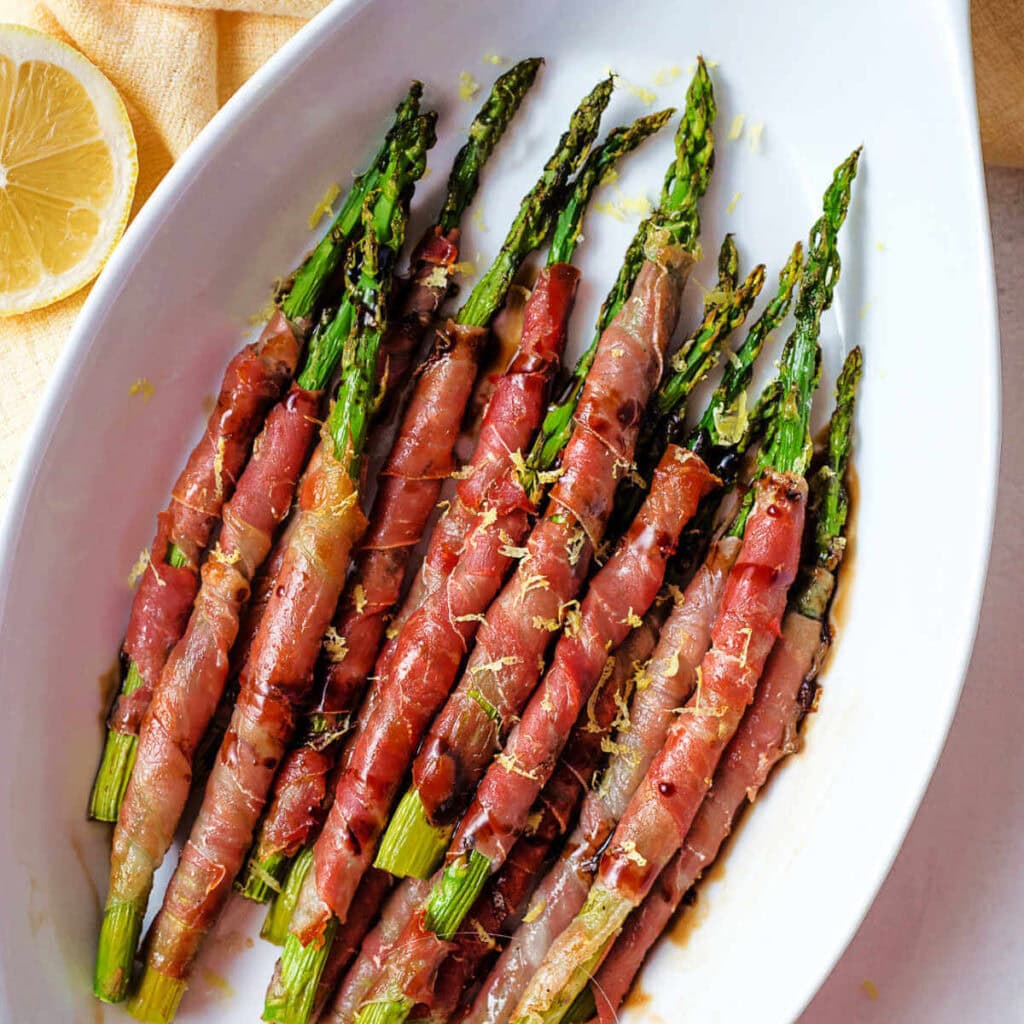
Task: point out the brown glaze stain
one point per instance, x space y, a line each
636 998
692 914
109 683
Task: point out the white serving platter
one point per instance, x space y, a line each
199 261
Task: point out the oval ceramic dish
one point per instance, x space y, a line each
199 262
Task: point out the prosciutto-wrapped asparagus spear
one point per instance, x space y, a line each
278 675
667 683
427 651
253 382
420 459
504 666
663 807
770 728
193 678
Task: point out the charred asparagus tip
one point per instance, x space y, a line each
290 1001
740 368
301 301
157 999
412 846
487 128
119 936
620 141
789 447
279 914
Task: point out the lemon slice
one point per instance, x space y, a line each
67 169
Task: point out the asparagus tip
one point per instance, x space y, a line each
157 999
119 936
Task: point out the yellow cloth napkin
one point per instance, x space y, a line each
175 63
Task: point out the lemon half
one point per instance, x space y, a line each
68 167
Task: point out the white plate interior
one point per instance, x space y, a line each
177 298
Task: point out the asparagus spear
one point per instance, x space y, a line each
404 505
656 820
766 734
307 286
676 218
163 600
534 220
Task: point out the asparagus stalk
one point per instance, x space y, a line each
677 217
299 305
293 988
635 853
